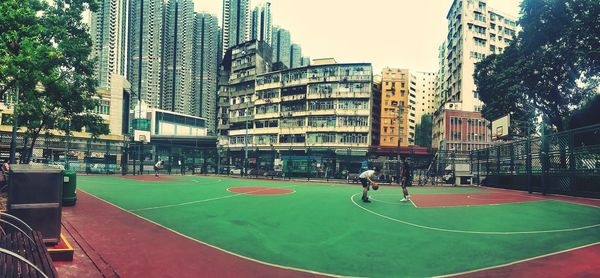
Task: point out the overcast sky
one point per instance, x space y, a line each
394 33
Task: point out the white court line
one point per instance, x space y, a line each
218 248
276 194
207 200
520 261
470 232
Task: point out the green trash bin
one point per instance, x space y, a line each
69 186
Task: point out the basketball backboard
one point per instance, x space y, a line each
141 136
500 127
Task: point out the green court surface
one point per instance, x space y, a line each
326 228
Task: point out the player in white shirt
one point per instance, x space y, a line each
366 178
158 166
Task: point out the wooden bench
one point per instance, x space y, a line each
22 251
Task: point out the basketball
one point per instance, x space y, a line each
375 186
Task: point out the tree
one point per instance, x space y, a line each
553 64
61 86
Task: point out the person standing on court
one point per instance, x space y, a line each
406 176
366 178
158 166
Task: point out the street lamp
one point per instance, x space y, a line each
245 164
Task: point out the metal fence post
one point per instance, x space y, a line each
528 159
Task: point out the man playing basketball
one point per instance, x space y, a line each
157 167
406 177
366 178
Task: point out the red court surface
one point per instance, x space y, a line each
582 262
569 199
491 196
148 178
121 244
259 190
468 199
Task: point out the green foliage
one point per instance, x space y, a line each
589 114
553 65
45 50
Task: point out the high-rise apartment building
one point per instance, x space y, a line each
262 25
282 46
394 107
295 56
108 40
204 68
474 31
236 23
241 64
421 102
305 61
145 50
177 93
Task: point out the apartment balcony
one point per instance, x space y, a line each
293 97
272 115
267 86
292 130
243 92
366 94
253 131
221 126
223 103
267 101
296 82
238 106
337 129
241 119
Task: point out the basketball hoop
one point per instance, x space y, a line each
142 138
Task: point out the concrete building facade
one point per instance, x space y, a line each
204 68
109 40
241 65
178 51
262 23
474 31
145 50
236 23
295 56
323 106
394 107
282 46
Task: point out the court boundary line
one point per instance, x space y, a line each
519 261
249 193
207 200
470 232
216 247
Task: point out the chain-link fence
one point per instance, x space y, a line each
102 156
564 163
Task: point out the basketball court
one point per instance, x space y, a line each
248 228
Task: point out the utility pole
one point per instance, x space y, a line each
244 173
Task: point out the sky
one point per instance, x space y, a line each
386 33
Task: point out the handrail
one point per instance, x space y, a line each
16 218
19 229
2 250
